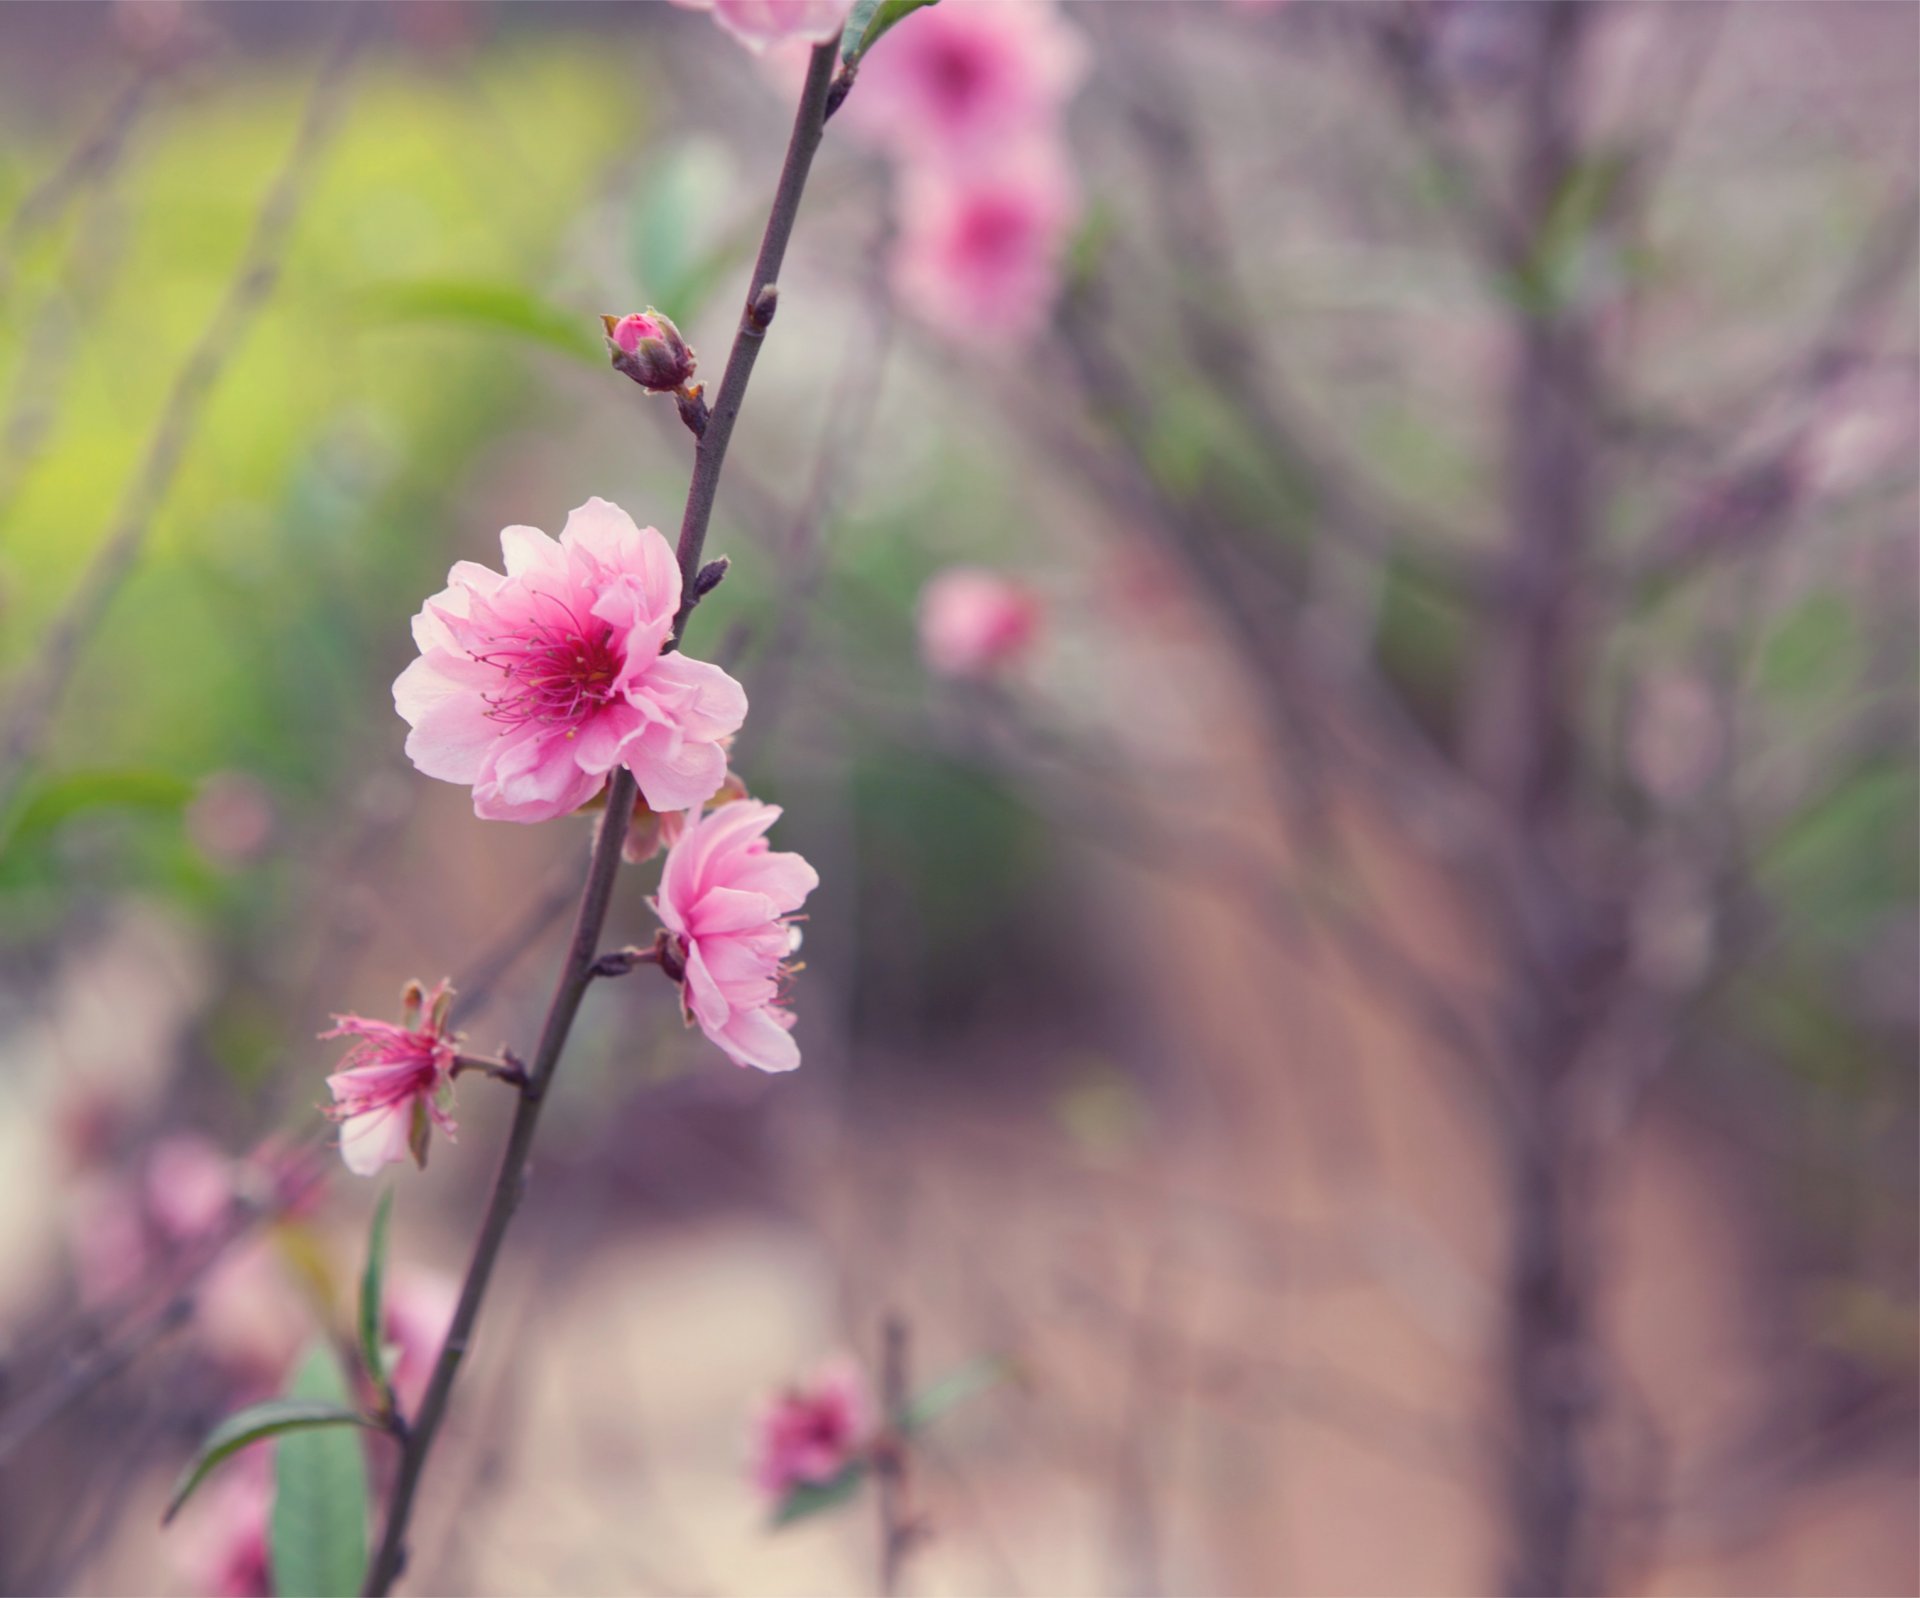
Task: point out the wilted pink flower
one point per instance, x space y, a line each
974 621
190 1187
220 1545
980 249
965 77
389 1091
810 1434
534 685
729 900
419 1308
759 23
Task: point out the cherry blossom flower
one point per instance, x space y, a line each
980 249
391 1088
728 900
808 1435
760 23
533 685
418 1310
973 621
963 78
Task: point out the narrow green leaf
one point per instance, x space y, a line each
256 1423
813 1498
489 307
318 1532
870 21
953 1390
372 1292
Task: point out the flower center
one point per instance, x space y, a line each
558 670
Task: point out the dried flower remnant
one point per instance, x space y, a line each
807 1435
727 901
759 24
975 622
395 1083
534 684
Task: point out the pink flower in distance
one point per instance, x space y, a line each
980 249
389 1091
964 77
729 899
808 1435
760 23
419 1308
532 686
190 1187
220 1545
974 621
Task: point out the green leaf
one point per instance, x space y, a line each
813 1498
489 307
47 804
953 1390
256 1423
871 20
372 1291
319 1529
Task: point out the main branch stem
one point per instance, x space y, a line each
583 951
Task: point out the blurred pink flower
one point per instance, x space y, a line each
808 1435
107 1236
974 621
980 249
190 1187
760 23
532 686
231 818
966 77
419 1309
220 1545
390 1087
729 900
251 1315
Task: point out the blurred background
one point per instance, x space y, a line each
1389 996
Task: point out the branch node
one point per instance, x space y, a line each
761 307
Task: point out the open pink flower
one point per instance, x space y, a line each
729 900
534 685
964 77
760 23
980 249
390 1089
974 621
808 1435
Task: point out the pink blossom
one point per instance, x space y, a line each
419 1309
391 1086
808 1435
980 249
534 685
729 900
965 77
107 1234
190 1187
760 23
974 621
220 1545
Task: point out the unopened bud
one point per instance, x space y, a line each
649 349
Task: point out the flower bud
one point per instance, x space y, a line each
649 349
